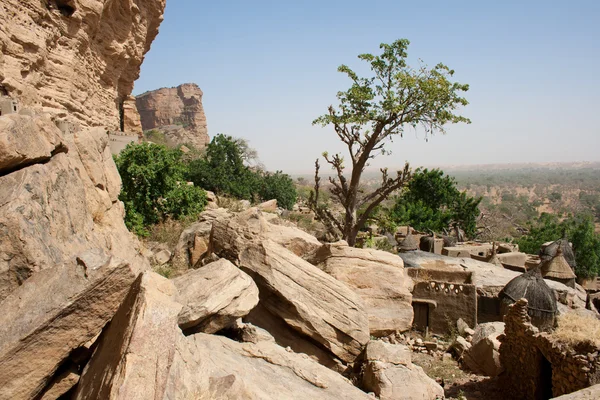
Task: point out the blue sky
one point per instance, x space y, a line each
268 68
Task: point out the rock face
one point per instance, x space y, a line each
59 197
215 296
131 122
311 303
377 277
390 374
177 113
76 58
53 313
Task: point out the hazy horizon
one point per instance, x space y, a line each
267 69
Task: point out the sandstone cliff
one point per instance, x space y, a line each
175 112
75 61
78 58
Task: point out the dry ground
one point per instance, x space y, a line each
458 384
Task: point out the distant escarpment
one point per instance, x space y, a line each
75 59
176 113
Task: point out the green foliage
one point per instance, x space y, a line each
278 186
222 170
579 231
370 113
154 186
155 137
431 201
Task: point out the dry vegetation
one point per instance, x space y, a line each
575 329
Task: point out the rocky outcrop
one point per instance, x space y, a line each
177 113
53 313
78 59
390 374
59 197
312 303
377 277
131 122
214 296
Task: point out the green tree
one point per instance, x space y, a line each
222 169
278 186
370 113
154 187
431 201
579 230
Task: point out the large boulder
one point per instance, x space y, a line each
51 209
135 353
230 236
483 356
590 393
378 277
215 367
193 241
390 374
53 313
308 300
214 296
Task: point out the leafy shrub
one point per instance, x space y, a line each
154 186
278 186
222 170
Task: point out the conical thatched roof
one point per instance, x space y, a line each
409 243
547 253
557 267
531 286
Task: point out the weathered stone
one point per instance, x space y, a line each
389 373
214 296
310 301
459 346
177 113
25 141
162 257
591 393
483 355
61 384
131 118
268 206
52 313
135 353
462 326
377 277
230 236
63 206
78 59
215 367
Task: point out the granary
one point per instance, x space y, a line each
542 307
558 269
8 105
409 243
548 251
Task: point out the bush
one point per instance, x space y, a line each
222 170
278 186
154 186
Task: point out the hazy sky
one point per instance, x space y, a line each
268 68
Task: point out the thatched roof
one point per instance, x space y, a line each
531 286
557 267
548 252
409 243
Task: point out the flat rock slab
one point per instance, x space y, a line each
214 296
215 367
55 311
311 302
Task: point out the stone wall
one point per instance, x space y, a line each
448 302
537 366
